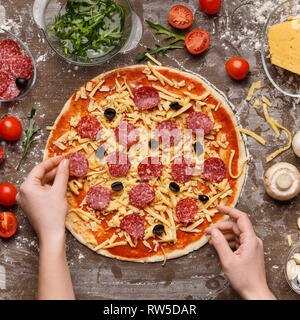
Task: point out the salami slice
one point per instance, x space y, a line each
9 48
98 197
168 133
20 66
133 224
12 90
214 170
182 169
150 168
198 121
79 164
89 127
127 134
146 98
186 209
118 164
4 80
141 195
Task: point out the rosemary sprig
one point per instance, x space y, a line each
141 56
169 34
30 132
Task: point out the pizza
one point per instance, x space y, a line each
152 152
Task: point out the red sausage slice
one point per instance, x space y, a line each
150 168
89 127
118 164
11 91
186 209
127 134
9 48
3 81
79 164
146 98
98 197
214 170
168 133
20 66
141 195
133 224
182 169
197 121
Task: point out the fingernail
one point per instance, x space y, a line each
65 162
215 233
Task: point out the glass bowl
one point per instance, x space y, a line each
283 80
45 11
292 283
5 34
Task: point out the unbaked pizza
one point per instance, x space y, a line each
152 152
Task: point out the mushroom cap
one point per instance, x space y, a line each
282 181
296 144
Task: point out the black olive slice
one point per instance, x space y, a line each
175 105
174 187
203 198
21 83
198 148
117 186
110 113
100 153
158 229
153 144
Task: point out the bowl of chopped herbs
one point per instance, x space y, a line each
87 32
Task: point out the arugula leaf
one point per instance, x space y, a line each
96 25
154 52
30 132
169 34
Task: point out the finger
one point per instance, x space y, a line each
241 218
221 246
39 171
230 237
49 177
226 226
62 176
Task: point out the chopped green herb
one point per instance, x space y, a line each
169 34
141 56
30 132
89 28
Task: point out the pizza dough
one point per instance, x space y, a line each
142 198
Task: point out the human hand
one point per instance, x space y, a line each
244 267
44 204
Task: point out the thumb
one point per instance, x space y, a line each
221 245
62 176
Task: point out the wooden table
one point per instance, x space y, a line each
234 31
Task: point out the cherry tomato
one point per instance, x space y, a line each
197 41
8 224
180 17
2 155
237 68
8 193
10 128
210 6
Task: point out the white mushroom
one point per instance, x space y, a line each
282 181
296 144
291 270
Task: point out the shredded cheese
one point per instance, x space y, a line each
232 153
270 120
153 59
254 86
253 135
278 152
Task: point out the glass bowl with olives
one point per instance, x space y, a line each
292 268
88 33
18 67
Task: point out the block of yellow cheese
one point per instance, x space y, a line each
284 45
